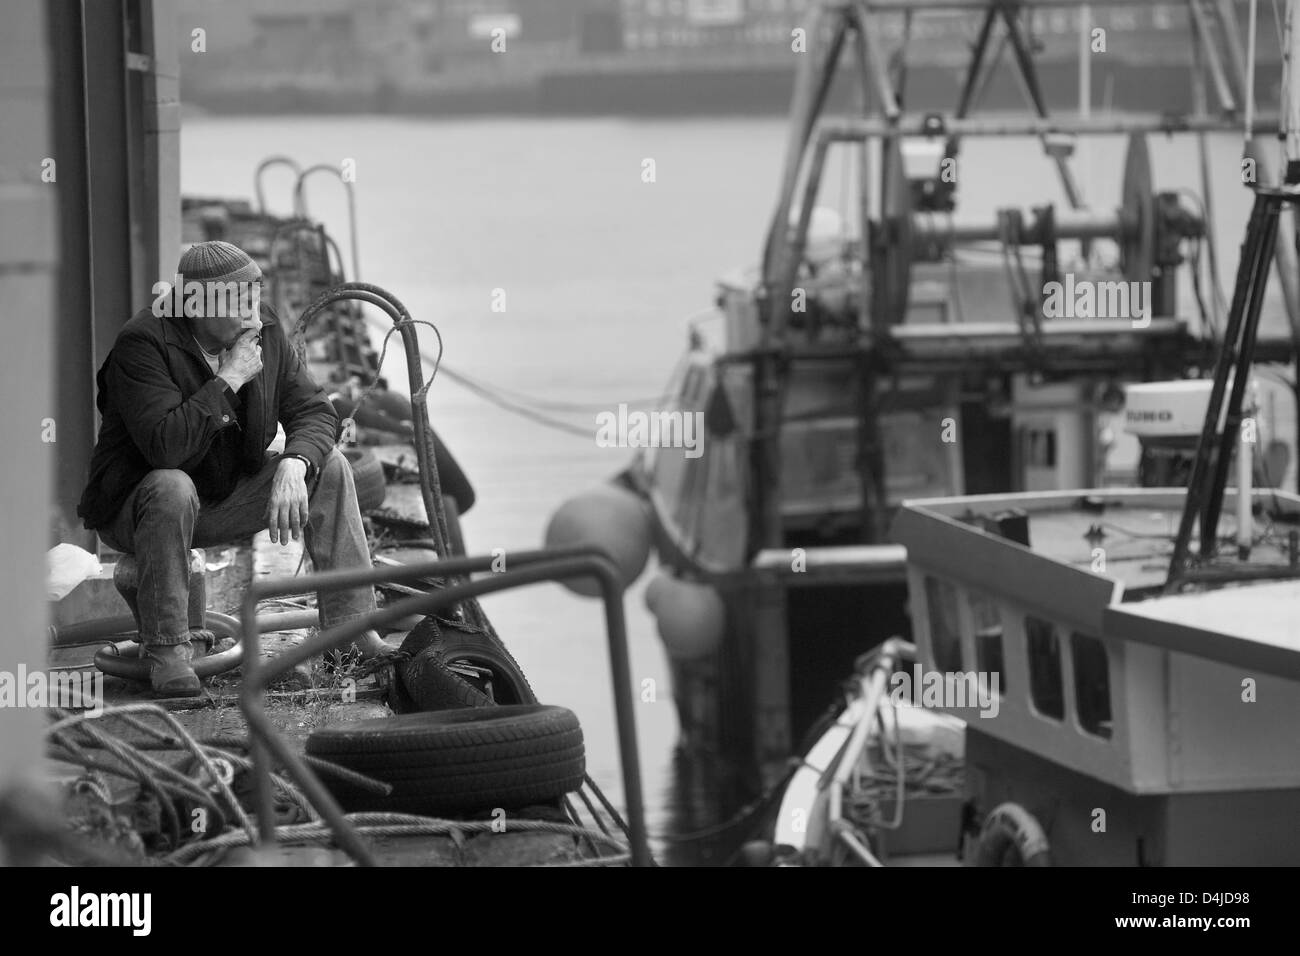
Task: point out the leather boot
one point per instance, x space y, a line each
171 673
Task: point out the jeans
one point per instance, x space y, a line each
163 518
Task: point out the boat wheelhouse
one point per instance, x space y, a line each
1149 728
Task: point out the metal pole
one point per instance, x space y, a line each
1200 103
1247 287
1245 354
1222 86
1291 92
1085 61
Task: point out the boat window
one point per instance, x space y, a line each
1044 651
1091 684
945 634
987 619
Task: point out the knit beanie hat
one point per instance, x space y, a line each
217 261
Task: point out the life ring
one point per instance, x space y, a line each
122 658
1012 837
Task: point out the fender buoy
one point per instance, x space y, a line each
610 518
1012 837
691 617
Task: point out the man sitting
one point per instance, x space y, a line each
189 405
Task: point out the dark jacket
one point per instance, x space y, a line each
163 407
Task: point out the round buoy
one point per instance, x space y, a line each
611 519
654 591
690 616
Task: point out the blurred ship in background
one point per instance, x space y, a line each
909 349
637 56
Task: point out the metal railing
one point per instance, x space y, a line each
529 567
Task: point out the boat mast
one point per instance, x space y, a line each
1205 489
1290 96
1085 61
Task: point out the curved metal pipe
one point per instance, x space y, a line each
89 632
430 486
300 206
266 164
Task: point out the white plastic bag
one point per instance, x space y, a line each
66 566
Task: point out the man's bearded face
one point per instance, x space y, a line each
228 309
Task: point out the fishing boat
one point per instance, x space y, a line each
1086 685
909 350
1077 695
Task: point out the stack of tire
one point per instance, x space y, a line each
458 761
460 744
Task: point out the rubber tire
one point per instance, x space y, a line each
430 685
452 761
432 645
451 477
368 476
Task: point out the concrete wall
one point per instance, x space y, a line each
27 298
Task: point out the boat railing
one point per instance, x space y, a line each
262 167
300 206
818 567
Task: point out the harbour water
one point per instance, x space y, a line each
599 271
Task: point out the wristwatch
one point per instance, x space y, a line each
303 459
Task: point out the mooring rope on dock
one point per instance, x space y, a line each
149 772
401 824
72 734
